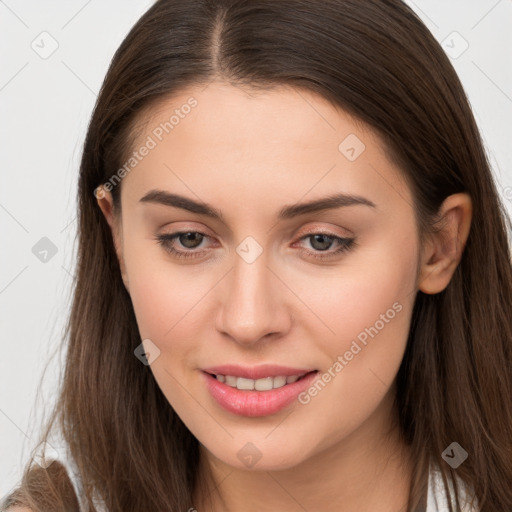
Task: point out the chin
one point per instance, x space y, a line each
253 456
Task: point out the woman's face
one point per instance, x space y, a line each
272 285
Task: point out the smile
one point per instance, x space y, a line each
262 396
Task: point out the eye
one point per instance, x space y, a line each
191 240
188 239
321 242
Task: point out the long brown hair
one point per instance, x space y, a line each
376 60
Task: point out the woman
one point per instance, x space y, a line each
294 278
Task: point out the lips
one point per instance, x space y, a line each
256 391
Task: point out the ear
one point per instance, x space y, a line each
106 204
443 251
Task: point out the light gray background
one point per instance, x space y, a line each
45 104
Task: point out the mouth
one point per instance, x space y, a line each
262 384
272 389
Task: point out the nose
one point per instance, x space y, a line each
254 303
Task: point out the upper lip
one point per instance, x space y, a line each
256 372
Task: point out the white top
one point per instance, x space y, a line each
436 498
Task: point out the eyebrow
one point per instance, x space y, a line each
287 212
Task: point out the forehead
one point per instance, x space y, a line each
219 139
275 117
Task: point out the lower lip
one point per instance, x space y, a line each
256 403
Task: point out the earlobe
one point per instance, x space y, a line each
106 204
444 248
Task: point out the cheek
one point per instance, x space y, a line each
163 302
169 300
362 358
367 310
367 289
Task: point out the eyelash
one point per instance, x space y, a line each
345 245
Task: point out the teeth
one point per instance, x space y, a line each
231 381
279 382
264 384
242 383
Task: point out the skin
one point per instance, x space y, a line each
249 154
